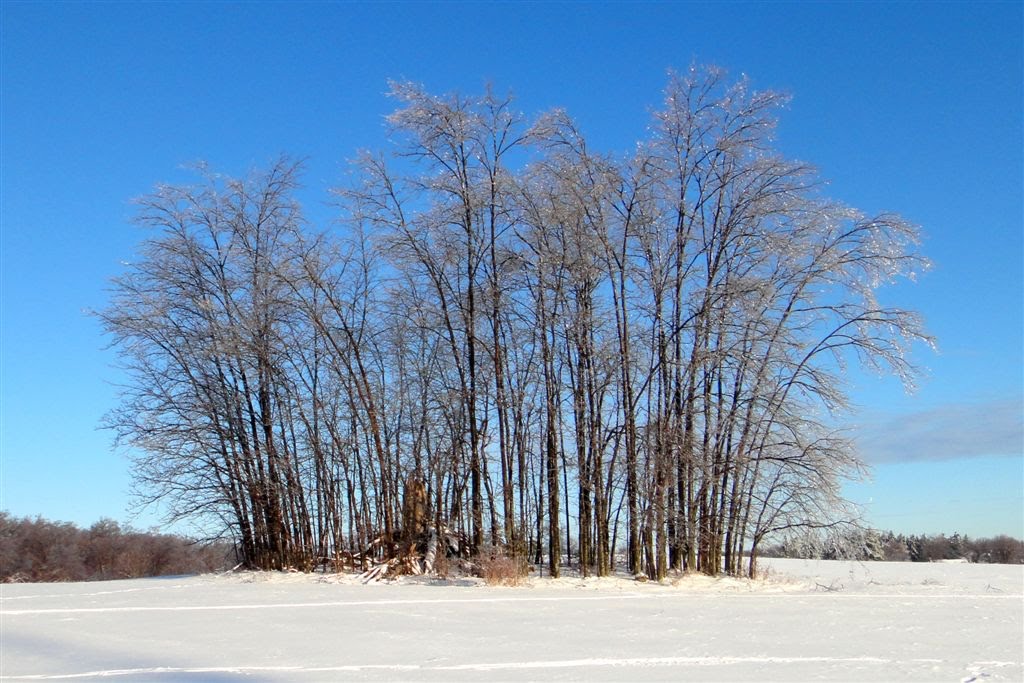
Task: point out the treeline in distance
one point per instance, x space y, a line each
36 549
869 545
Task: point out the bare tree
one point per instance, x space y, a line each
560 345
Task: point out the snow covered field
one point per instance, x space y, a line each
807 620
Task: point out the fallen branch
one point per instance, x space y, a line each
378 571
831 588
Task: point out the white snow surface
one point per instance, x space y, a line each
806 620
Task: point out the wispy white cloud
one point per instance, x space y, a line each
956 430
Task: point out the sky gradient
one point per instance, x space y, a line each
913 108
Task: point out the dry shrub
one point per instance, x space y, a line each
499 568
442 565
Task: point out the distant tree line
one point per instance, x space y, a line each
35 549
867 544
572 351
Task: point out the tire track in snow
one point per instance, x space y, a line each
51 596
508 599
314 605
707 661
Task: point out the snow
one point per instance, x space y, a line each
806 620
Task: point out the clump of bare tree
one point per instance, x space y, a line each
571 350
41 550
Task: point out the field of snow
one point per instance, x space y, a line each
805 620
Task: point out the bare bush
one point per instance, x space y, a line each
442 565
499 568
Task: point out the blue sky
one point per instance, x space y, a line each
914 108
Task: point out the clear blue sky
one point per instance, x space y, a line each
914 108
